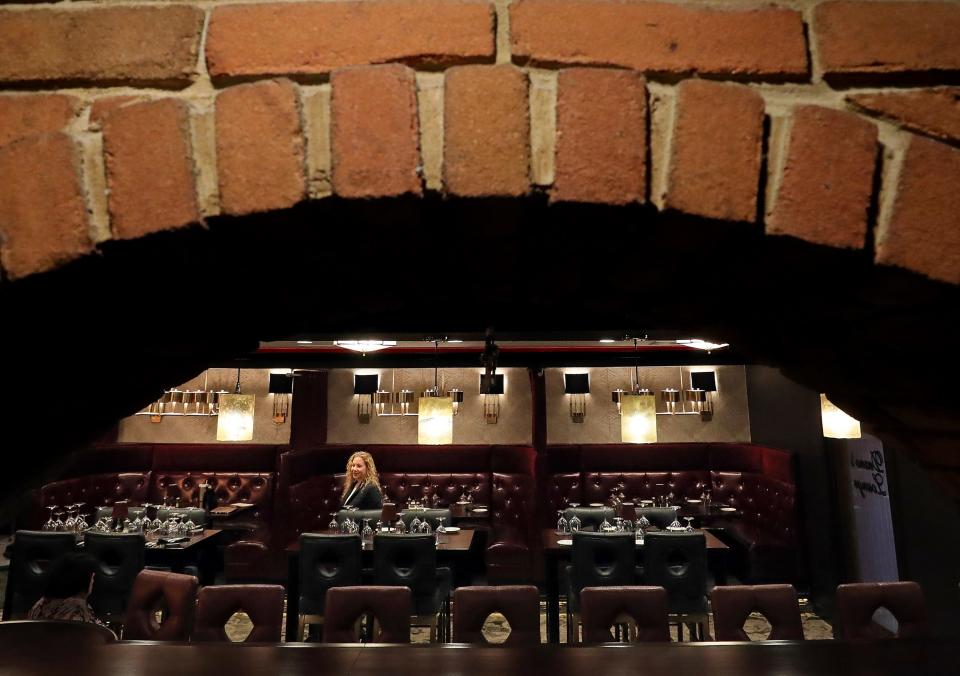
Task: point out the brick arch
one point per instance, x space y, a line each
149 119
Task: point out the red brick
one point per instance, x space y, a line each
486 131
923 234
827 180
149 168
316 38
876 41
757 43
374 132
935 112
601 136
124 45
101 108
44 216
715 151
22 116
259 147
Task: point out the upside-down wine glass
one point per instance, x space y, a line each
563 526
689 520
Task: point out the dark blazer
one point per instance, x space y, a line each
367 497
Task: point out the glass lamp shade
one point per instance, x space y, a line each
236 417
638 419
435 421
836 423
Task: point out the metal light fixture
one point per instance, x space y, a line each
281 387
177 402
364 346
577 385
638 420
235 422
491 387
618 394
435 423
365 387
455 394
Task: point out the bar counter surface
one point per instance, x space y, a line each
782 658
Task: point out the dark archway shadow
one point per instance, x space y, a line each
99 338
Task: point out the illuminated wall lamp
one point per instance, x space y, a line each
638 419
491 390
577 385
235 422
435 421
281 387
366 387
836 423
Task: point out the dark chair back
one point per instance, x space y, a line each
358 515
120 558
519 604
777 602
406 560
263 604
34 635
391 606
173 593
431 515
601 607
602 560
678 563
660 517
195 514
388 514
33 553
590 517
856 604
327 561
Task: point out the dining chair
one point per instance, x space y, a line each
678 563
120 558
597 560
326 561
387 608
262 603
519 604
776 602
858 602
33 553
643 610
411 561
172 596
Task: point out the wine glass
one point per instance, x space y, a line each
367 532
425 527
574 524
50 523
333 526
605 526
415 525
675 524
440 527
689 520
399 527
643 523
563 526
619 524
58 525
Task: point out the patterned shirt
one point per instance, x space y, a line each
73 608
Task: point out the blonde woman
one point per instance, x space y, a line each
362 486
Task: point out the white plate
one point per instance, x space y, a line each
694 501
565 541
596 504
482 510
728 509
452 529
676 529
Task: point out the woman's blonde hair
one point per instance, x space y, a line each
372 476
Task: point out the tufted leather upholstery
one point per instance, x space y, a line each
263 604
601 607
229 487
519 604
778 603
97 490
390 605
177 593
755 479
446 487
856 604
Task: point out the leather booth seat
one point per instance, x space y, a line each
757 480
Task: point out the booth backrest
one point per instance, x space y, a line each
253 487
97 489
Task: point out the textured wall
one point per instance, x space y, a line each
513 427
730 422
203 429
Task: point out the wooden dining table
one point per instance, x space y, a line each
766 658
451 550
555 553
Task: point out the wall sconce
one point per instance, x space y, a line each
578 386
671 397
179 402
385 403
836 423
638 420
491 387
435 423
281 386
366 387
235 422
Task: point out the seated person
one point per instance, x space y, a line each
69 585
362 486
